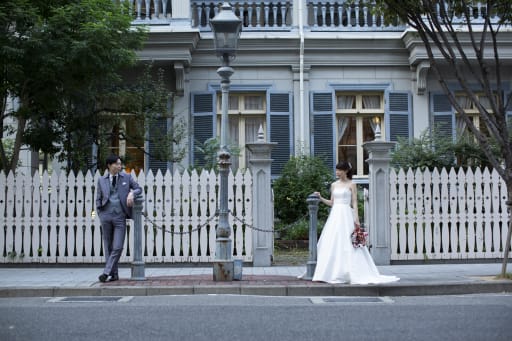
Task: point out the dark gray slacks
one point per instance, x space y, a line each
114 233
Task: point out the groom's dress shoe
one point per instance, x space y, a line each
103 278
114 278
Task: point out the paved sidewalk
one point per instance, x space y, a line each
431 279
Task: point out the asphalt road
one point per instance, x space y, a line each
225 317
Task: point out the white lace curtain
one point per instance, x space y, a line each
372 102
465 103
344 102
251 126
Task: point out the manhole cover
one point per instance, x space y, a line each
350 300
91 299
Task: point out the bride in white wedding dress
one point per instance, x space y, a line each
338 261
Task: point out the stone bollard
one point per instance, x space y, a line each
138 270
313 228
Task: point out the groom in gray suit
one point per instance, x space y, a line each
114 200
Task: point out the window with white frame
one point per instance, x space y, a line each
246 113
358 117
125 138
472 111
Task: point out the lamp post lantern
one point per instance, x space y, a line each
226 28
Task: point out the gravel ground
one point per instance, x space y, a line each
290 257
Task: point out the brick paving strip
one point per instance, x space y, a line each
207 280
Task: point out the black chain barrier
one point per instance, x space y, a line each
208 220
260 229
250 226
155 224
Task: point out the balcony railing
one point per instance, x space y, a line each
477 14
255 15
277 15
150 12
347 16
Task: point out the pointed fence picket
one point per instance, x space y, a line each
447 214
51 218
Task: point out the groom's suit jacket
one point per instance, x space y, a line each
125 184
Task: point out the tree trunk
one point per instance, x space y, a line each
17 145
3 156
509 232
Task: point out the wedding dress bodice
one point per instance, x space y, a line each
342 195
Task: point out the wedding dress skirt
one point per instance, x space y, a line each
337 259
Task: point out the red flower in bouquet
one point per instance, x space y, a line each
359 237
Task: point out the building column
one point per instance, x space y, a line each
262 203
181 15
379 201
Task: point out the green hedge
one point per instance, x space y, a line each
301 176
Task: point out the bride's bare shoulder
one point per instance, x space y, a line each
336 183
341 185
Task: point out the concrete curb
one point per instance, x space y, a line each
498 286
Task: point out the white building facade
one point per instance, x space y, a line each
319 76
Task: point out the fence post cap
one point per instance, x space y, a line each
312 199
138 201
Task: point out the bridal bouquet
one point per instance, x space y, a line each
359 237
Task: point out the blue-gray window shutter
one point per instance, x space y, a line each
203 125
398 115
443 115
322 130
157 128
280 129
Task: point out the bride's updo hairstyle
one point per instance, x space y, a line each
345 166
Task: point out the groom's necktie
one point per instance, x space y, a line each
114 178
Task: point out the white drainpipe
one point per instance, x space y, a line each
301 75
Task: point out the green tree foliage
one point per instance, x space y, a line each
301 176
433 150
58 58
298 230
210 149
426 151
7 146
150 106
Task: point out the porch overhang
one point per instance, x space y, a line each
418 52
170 46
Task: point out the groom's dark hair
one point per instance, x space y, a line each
112 159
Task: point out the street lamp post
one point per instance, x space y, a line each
226 28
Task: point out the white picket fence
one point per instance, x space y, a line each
447 214
51 218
